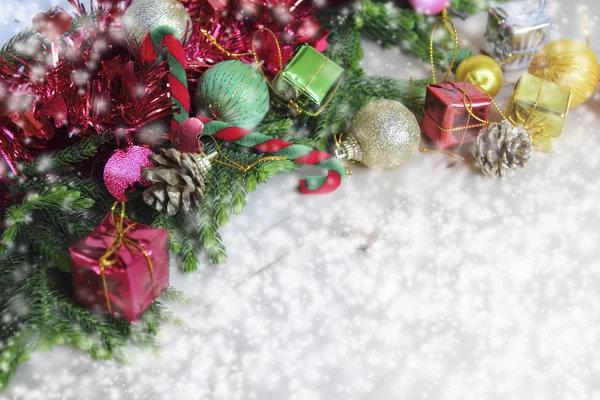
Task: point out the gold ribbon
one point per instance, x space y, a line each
292 103
109 259
452 28
232 164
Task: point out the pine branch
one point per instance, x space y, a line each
223 178
390 26
345 47
206 220
50 244
21 46
47 317
279 127
8 265
59 197
165 221
190 243
92 189
61 161
472 6
12 350
176 296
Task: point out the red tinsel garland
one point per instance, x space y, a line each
233 24
100 85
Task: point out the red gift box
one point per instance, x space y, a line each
121 267
447 121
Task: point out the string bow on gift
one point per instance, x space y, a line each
110 256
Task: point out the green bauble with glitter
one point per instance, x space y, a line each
235 92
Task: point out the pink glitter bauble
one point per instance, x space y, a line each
429 7
124 169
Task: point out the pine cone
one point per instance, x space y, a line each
177 180
502 149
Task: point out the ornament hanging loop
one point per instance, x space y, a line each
345 150
447 22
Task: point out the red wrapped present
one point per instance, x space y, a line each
447 120
121 267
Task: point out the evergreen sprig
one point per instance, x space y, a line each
19 46
63 161
55 198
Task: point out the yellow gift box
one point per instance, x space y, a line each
541 107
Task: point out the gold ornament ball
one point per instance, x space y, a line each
142 16
483 71
384 134
570 64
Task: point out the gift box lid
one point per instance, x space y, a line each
451 94
547 96
312 73
520 16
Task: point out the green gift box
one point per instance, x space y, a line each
312 73
541 107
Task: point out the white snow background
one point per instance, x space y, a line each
427 282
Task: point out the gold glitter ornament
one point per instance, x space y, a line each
384 134
142 16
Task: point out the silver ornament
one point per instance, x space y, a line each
384 134
142 16
502 149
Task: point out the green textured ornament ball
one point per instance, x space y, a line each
235 92
384 134
142 16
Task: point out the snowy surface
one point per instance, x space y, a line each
428 282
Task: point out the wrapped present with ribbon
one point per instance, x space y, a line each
454 112
515 32
541 107
311 73
120 267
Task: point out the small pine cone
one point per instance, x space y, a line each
502 149
177 180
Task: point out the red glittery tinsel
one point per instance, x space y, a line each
100 86
233 24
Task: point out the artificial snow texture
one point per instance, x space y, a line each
427 282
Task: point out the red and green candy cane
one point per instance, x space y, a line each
240 136
295 152
167 36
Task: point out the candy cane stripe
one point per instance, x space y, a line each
298 153
177 76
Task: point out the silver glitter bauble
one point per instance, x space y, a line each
384 134
502 149
142 16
